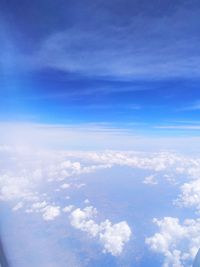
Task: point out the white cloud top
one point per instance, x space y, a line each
28 178
51 212
190 195
112 236
177 242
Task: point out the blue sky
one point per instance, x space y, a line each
121 63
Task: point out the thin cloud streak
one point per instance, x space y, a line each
92 137
179 127
146 46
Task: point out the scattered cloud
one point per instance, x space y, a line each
112 236
28 179
68 208
150 180
190 195
32 168
177 242
18 206
50 212
65 186
38 206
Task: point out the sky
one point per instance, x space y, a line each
99 123
123 64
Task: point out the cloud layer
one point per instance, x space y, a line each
30 180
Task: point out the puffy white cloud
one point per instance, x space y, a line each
24 170
50 212
30 168
152 161
112 236
190 195
81 219
13 186
37 206
177 242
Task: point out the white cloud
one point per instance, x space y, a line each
96 136
180 127
24 172
81 219
86 201
78 186
18 206
112 236
68 208
152 161
37 206
65 186
50 212
177 242
190 195
13 186
150 180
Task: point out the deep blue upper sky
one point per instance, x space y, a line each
120 62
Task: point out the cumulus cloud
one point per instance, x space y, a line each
112 236
32 169
177 242
81 219
190 195
28 179
158 162
50 212
24 170
37 206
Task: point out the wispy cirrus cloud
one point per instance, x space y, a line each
192 107
125 46
89 136
179 127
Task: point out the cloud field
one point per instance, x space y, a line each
29 180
